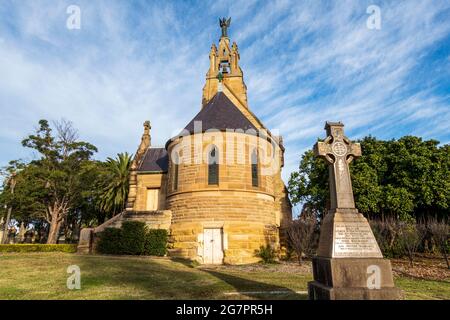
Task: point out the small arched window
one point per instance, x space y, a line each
176 161
255 169
213 166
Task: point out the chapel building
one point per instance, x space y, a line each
217 186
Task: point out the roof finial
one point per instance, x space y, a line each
147 126
143 146
146 138
224 25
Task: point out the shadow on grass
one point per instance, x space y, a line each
186 262
246 287
172 280
255 289
157 279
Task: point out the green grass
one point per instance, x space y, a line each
43 276
418 289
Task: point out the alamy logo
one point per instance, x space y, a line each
74 280
374 279
74 19
374 20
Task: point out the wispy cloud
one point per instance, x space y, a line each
304 63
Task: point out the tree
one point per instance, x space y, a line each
114 196
409 237
366 188
16 196
56 178
440 232
422 169
310 184
406 178
85 210
303 236
398 202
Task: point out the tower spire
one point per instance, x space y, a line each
224 73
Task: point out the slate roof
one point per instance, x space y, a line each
221 114
155 160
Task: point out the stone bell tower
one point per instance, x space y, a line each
224 67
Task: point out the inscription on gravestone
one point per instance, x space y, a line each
352 240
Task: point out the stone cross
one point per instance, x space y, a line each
338 151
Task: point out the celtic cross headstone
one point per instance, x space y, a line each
339 151
349 261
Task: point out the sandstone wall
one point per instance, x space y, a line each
148 181
248 215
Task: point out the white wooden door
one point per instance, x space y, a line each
152 199
212 246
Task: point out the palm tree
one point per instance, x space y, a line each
114 195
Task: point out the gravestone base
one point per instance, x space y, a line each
346 279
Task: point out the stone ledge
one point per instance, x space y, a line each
350 272
318 291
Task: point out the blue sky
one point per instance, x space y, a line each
304 62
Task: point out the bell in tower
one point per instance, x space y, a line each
224 67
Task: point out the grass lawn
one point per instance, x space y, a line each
43 276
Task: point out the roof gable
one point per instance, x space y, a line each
221 114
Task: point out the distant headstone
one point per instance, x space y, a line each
22 231
28 238
349 263
85 240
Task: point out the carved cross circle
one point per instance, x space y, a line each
339 149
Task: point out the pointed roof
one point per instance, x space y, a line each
154 160
221 114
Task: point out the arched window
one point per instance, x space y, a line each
255 169
213 166
176 161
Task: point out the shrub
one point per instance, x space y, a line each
110 241
133 238
440 232
410 237
387 234
303 237
155 242
68 248
383 232
287 254
266 253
